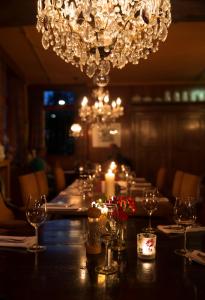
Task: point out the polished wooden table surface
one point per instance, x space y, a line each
64 271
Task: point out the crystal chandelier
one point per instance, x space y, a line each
102 112
99 34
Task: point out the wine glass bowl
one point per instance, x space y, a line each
150 204
184 216
36 213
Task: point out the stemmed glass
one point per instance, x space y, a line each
185 216
36 212
107 238
86 185
150 204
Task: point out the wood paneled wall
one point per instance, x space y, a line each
155 135
169 135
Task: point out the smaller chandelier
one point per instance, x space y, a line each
102 112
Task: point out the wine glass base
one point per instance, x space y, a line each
36 248
106 270
181 252
149 230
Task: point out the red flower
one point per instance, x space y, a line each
124 207
150 243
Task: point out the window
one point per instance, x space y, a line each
59 108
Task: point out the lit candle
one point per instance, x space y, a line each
109 184
113 166
146 245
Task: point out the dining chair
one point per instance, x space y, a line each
177 181
9 219
189 185
6 214
42 182
28 186
59 177
160 178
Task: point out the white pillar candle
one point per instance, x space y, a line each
146 245
109 184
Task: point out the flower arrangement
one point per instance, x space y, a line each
125 206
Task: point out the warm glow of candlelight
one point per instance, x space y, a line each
113 166
146 245
109 184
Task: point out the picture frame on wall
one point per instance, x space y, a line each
103 136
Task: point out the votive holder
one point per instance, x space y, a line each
146 246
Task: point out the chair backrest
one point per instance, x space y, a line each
6 214
177 181
59 176
160 179
28 186
190 185
42 182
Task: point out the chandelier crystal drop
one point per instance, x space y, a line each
96 35
102 112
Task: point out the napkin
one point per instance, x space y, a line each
61 206
17 241
160 200
140 179
178 229
144 184
197 256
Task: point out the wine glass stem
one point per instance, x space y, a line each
106 254
36 233
150 221
185 249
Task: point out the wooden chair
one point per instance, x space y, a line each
59 177
42 182
189 185
177 181
6 214
28 186
8 219
160 178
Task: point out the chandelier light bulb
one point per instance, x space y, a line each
84 101
113 104
106 99
100 34
118 101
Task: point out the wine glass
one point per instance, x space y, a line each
150 204
86 186
107 238
36 215
185 216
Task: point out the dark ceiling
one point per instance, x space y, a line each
180 59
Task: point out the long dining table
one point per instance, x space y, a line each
71 202
64 271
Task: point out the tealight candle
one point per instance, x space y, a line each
109 184
146 245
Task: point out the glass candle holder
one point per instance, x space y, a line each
146 246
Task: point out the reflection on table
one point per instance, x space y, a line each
64 271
